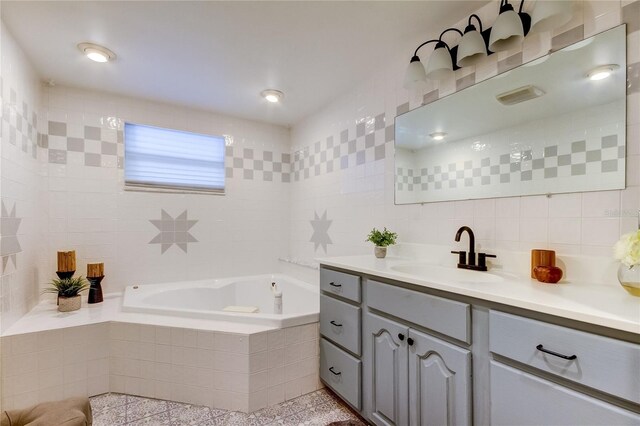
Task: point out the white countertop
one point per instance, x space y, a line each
606 305
45 316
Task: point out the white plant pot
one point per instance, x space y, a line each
380 252
68 304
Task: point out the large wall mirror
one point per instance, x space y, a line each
553 125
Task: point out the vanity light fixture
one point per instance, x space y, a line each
551 14
441 64
96 52
508 32
602 72
272 95
473 47
510 27
438 136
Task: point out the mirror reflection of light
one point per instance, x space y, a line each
479 146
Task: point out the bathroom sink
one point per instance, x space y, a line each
441 273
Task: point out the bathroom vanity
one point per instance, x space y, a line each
419 344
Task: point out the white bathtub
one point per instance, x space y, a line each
207 298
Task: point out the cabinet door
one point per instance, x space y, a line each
518 398
439 382
387 342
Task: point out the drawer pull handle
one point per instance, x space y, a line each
335 323
334 373
410 341
547 351
401 336
332 284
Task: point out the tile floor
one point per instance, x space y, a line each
317 408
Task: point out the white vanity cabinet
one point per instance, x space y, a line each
408 355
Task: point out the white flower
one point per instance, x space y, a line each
627 250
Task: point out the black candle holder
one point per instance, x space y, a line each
95 290
65 274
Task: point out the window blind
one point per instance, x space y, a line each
172 159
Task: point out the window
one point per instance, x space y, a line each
165 159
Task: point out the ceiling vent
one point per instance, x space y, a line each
521 94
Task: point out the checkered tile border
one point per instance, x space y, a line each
367 145
104 147
555 161
20 123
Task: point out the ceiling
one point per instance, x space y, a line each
218 55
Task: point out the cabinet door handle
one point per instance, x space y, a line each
410 341
335 323
547 351
333 372
332 284
401 336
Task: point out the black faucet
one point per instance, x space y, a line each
462 255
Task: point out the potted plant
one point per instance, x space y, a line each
68 291
382 239
627 251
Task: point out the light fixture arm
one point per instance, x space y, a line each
415 54
471 25
450 29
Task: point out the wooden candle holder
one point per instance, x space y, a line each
67 261
542 258
95 275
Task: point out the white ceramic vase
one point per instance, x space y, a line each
380 252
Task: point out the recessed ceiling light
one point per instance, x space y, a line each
602 72
438 136
271 95
96 53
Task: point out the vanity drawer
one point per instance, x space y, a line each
340 284
601 363
340 323
519 398
341 372
445 316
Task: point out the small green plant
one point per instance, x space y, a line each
67 287
382 238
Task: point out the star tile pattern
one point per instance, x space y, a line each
9 243
320 236
173 231
317 408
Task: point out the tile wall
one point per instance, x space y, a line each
221 370
241 233
21 183
344 165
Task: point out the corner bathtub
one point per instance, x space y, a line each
206 299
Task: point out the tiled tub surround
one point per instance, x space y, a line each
240 371
21 182
360 194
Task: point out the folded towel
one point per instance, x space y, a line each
68 412
242 309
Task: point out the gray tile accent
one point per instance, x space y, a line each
550 172
57 129
248 174
594 155
109 148
389 133
93 133
401 109
360 129
9 242
609 166
579 146
57 156
567 38
468 80
631 16
509 63
344 136
75 144
380 122
92 160
370 140
551 151
431 96
578 169
247 153
610 141
173 231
